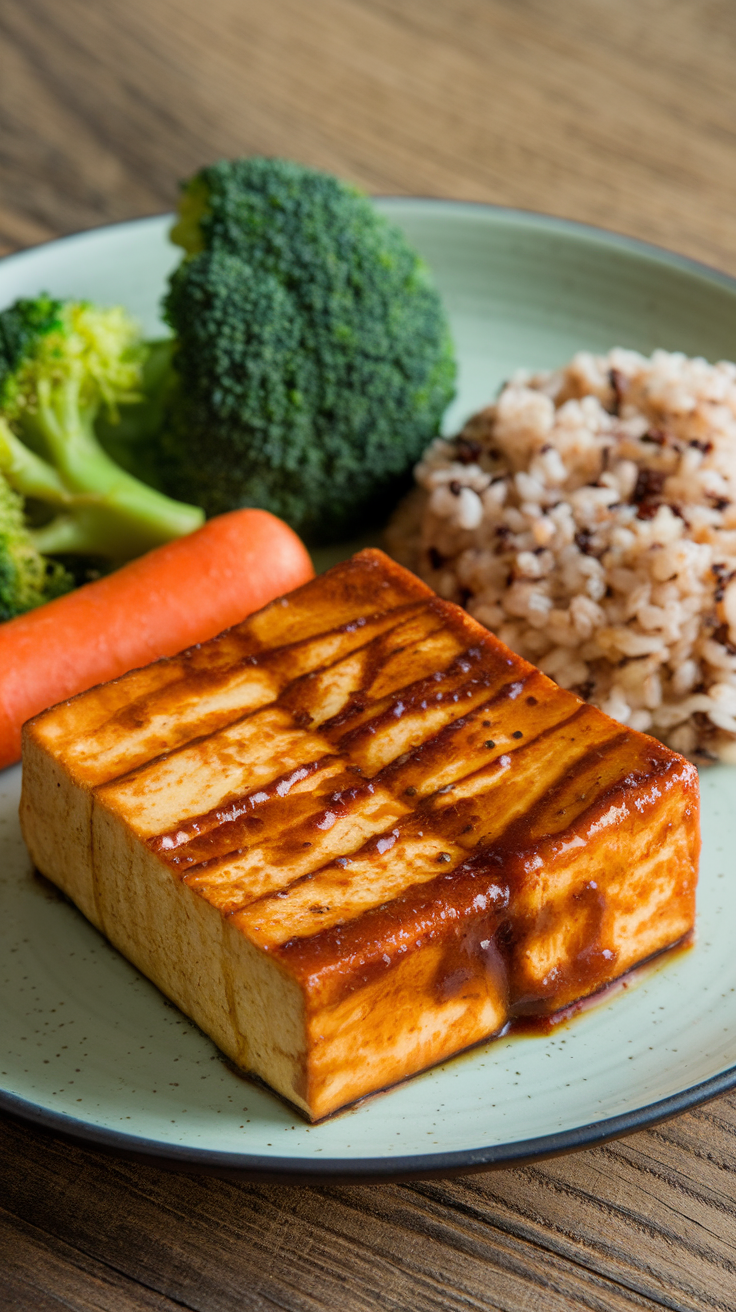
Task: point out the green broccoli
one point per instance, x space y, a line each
130 434
26 578
61 364
313 359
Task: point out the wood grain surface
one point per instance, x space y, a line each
619 113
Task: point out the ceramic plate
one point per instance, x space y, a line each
91 1049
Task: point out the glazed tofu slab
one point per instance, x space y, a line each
356 834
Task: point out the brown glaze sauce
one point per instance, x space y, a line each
493 878
524 1026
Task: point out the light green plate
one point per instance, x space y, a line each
90 1048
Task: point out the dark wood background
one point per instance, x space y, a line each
619 112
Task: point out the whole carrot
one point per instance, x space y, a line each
177 595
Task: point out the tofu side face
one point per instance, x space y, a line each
356 834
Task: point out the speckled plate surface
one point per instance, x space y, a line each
90 1048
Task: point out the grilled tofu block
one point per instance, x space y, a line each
356 834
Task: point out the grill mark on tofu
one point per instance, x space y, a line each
294 660
474 740
151 769
415 649
262 817
203 694
445 666
356 587
87 714
308 832
621 760
578 773
243 806
383 868
67 730
251 754
510 785
329 691
192 709
397 724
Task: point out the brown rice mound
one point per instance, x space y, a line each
588 518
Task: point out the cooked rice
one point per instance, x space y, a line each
588 518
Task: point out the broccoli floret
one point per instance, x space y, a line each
61 364
130 435
26 578
313 360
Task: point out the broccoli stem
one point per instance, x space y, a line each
104 510
108 529
27 472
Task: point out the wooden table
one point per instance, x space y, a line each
623 114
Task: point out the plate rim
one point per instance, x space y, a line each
515 1153
364 1170
534 218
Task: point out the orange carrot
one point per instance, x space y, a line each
175 596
